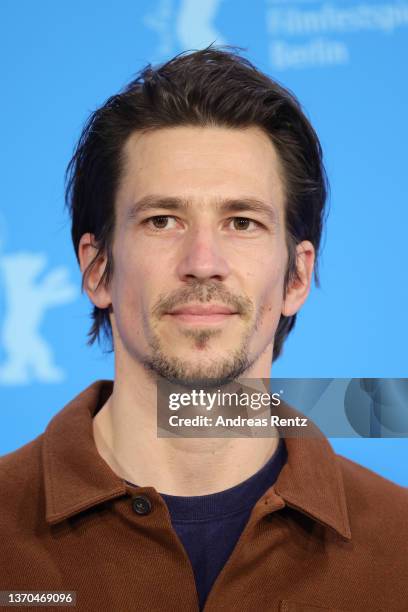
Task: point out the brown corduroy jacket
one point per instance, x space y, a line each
328 535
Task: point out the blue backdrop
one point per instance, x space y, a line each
345 60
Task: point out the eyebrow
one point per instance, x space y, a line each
227 205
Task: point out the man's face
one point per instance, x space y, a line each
198 279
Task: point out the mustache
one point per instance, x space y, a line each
203 292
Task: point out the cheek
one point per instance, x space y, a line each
271 297
134 278
127 283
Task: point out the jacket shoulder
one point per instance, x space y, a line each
376 505
21 473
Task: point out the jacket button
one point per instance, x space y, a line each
141 504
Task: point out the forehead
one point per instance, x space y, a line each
202 163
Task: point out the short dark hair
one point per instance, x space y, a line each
210 87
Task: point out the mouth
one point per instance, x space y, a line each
202 315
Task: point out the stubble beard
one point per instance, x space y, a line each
213 373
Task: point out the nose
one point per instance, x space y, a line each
202 257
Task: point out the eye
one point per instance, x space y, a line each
243 223
158 222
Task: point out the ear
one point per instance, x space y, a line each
87 251
298 289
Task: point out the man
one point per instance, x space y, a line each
197 199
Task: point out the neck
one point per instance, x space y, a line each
125 432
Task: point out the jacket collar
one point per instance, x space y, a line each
76 477
311 481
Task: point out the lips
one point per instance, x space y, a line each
203 310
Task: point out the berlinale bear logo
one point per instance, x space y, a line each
26 355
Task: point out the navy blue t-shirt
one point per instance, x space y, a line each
209 525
